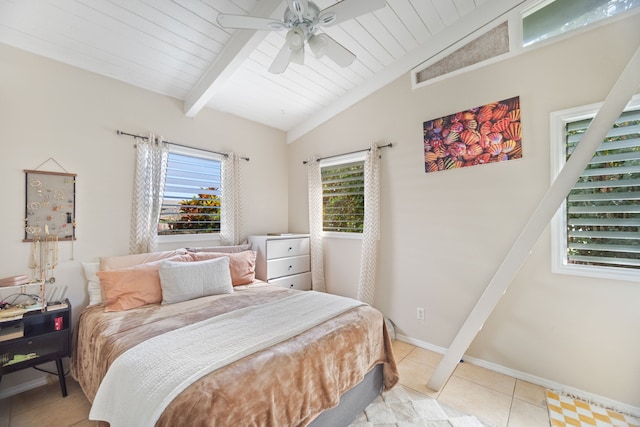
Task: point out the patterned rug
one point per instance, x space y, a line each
565 411
403 407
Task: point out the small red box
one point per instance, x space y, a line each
57 323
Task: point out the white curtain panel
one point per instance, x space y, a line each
231 224
371 227
150 173
315 225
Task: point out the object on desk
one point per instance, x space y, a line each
56 305
22 279
20 358
11 314
12 331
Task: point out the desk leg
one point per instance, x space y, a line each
63 382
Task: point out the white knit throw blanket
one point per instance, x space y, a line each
143 380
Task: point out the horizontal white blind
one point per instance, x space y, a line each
191 203
343 197
603 208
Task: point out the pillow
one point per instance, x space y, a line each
93 282
242 264
222 249
124 261
182 281
131 287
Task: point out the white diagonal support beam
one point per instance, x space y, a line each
236 50
619 96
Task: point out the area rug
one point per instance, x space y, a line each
566 411
403 407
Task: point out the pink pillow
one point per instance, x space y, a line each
124 261
242 265
131 287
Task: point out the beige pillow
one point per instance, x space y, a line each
242 265
93 282
183 281
131 287
124 261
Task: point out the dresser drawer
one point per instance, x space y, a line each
302 282
280 248
287 266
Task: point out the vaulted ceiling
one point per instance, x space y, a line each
177 48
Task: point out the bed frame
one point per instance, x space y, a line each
353 402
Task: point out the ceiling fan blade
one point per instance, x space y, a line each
348 9
245 22
338 53
298 7
281 61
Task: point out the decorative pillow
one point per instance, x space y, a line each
93 282
222 249
242 264
182 281
131 287
124 261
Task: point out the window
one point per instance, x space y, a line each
552 18
597 231
191 203
343 196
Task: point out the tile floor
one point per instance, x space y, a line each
493 398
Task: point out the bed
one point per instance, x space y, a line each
321 373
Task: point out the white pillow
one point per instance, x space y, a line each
182 281
93 282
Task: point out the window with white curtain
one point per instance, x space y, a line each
597 230
343 194
191 203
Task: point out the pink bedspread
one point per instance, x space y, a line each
288 384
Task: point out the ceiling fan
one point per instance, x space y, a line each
302 19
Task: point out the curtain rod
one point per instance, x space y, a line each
304 162
119 132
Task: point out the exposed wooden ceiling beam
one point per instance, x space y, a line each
236 51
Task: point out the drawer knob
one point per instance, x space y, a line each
290 248
290 267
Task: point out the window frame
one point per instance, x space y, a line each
336 161
197 237
558 225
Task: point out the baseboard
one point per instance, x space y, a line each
552 385
19 388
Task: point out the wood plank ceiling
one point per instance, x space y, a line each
176 48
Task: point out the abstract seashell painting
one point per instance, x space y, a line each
487 134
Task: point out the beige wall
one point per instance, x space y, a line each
444 234
50 110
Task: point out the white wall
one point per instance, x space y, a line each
444 234
51 110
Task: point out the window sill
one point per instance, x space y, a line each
336 235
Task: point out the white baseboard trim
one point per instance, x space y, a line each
26 386
552 385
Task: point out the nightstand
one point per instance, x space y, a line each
46 337
283 260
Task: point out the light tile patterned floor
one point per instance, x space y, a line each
565 411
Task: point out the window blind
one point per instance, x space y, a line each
343 197
191 202
603 208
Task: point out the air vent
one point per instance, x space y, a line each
489 45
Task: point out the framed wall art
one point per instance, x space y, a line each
486 134
50 205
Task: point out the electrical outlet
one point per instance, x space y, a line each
420 313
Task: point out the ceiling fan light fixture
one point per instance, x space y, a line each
318 44
295 38
327 18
